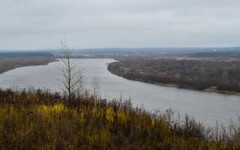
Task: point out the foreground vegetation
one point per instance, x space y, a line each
212 74
35 119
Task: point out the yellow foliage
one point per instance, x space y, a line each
123 116
58 108
48 112
95 112
153 123
32 125
110 114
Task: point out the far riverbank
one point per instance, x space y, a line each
128 70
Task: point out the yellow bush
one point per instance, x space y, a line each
110 114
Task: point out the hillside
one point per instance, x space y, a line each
36 119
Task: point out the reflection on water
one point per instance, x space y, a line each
204 106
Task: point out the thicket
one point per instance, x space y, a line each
200 74
36 119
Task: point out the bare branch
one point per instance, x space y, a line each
70 70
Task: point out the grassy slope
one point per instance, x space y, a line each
40 120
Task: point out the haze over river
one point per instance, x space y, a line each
206 107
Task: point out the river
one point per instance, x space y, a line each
206 107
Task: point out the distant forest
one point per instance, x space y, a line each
200 74
220 54
25 54
14 60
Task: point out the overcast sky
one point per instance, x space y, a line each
41 24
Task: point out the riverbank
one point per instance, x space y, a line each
211 89
140 70
214 89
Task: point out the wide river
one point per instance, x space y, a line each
206 107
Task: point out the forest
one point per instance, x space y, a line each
217 74
12 60
37 119
23 54
217 54
7 64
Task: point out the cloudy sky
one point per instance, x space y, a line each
41 24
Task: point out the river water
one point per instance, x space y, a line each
206 107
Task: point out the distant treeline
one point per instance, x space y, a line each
200 74
36 119
220 54
25 54
12 63
161 51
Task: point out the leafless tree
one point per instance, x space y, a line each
71 71
95 87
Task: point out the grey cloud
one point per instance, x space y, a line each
40 24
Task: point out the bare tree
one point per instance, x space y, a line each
71 72
95 87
